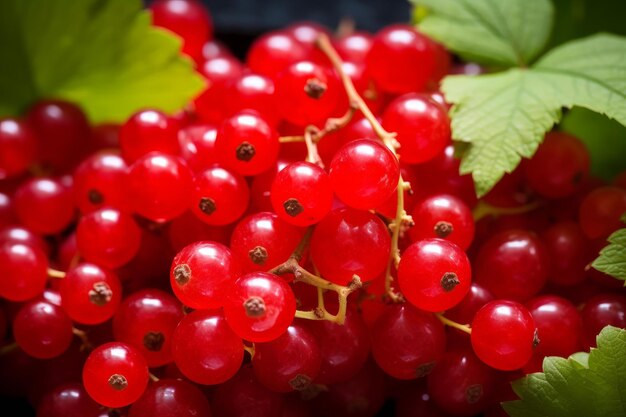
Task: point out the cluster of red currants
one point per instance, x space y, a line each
275 215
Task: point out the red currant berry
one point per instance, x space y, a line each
260 307
422 126
159 186
18 147
202 274
504 335
364 174
301 194
42 329
219 197
350 242
44 205
434 274
24 271
171 398
115 375
205 348
148 131
99 181
273 52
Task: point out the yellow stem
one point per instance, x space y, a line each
53 273
462 327
484 209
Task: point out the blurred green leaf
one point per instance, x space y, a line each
103 55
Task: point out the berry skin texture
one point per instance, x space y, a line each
512 265
189 20
24 271
407 342
205 348
306 93
247 144
219 197
434 274
504 335
301 194
90 294
202 273
260 307
599 213
171 398
560 325
44 205
108 237
68 400
401 59
349 242
444 216
364 173
159 186
600 311
148 131
115 375
146 320
290 362
100 181
42 330
273 52
461 384
262 241
17 147
423 127
219 73
559 166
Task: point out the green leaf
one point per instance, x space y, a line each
504 116
612 258
504 33
595 386
103 55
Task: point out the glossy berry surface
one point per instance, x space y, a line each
290 362
504 334
44 205
364 174
108 237
188 19
301 194
219 73
461 384
115 374
434 274
219 196
42 329
443 216
90 294
569 251
146 320
306 93
350 242
148 131
99 181
407 342
344 348
273 52
247 144
171 398
202 274
69 399
23 269
512 264
600 311
197 146
252 92
262 241
260 307
422 126
560 325
18 147
216 352
159 186
401 59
